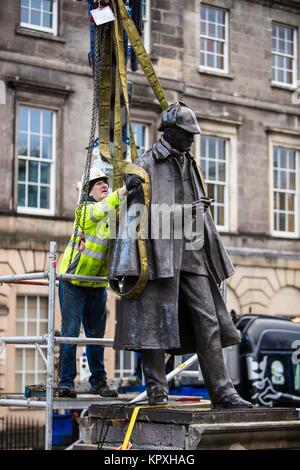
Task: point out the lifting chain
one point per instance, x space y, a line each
99 41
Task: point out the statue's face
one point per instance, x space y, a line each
179 139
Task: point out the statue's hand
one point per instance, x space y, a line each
202 204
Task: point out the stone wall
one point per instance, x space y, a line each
243 104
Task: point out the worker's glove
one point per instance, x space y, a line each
202 204
132 182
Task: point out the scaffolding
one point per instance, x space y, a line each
50 278
50 340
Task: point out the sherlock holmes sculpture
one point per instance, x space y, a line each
181 309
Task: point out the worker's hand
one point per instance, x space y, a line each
203 204
133 181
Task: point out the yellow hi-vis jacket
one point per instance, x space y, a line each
93 261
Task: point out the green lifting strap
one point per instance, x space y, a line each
115 37
131 168
142 55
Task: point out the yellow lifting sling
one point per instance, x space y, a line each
114 42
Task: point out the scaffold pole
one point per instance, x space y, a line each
50 347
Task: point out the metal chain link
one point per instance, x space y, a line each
100 33
98 50
99 57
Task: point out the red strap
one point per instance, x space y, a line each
81 244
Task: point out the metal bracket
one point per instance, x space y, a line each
38 347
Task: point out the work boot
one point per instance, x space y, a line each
102 389
65 392
233 401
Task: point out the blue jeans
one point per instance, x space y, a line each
86 305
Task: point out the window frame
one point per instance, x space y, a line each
53 31
292 85
224 227
23 372
206 68
289 144
122 373
225 130
34 210
147 27
147 132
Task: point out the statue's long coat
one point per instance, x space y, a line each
155 320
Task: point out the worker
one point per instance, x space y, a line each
85 301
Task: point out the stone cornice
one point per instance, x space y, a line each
244 101
49 88
283 4
222 119
44 63
286 131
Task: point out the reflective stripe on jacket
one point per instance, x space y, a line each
93 261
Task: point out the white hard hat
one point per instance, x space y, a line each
96 174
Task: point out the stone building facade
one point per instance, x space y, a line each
235 62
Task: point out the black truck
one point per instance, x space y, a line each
265 366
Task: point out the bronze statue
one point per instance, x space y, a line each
181 309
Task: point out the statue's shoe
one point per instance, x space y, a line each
157 401
233 401
157 397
